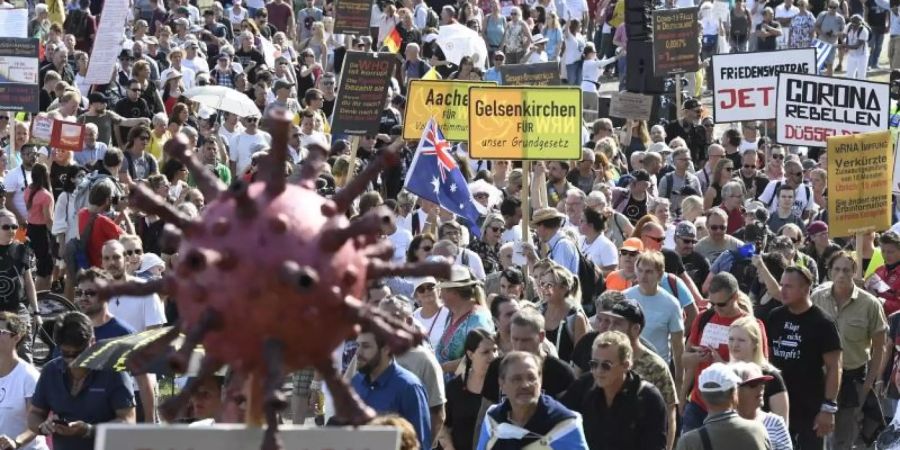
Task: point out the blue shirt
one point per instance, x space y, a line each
493 74
112 329
663 316
398 391
103 393
564 252
548 415
88 156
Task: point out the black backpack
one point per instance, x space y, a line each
590 278
431 18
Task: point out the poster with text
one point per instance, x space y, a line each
108 42
812 108
352 16
14 23
860 167
537 123
744 84
539 74
241 437
67 136
41 129
446 101
630 105
365 78
676 42
19 75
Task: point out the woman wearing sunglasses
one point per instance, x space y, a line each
16 276
431 314
488 247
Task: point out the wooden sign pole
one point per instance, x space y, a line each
354 148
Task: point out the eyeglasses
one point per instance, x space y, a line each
135 252
252 120
9 226
495 229
719 305
627 253
604 366
657 239
688 241
85 293
716 227
425 288
144 138
777 156
749 166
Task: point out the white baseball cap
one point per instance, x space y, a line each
718 378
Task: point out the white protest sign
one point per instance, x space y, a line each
895 185
41 129
810 108
744 83
630 105
108 43
239 437
14 23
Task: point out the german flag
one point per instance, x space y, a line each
393 40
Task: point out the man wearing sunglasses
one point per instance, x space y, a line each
708 340
717 241
695 265
689 129
804 205
244 144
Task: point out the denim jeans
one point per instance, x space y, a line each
573 74
875 43
693 418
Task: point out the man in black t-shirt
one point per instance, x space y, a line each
806 347
768 31
695 265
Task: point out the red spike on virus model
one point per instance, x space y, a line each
269 279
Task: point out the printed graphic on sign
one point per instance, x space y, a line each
446 101
812 108
542 123
539 74
744 84
860 167
676 45
365 78
19 75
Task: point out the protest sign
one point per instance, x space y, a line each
540 74
108 42
860 167
14 23
744 83
365 78
240 437
19 75
676 44
542 123
67 136
41 129
630 105
895 185
446 101
811 108
352 16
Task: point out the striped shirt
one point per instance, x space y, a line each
777 431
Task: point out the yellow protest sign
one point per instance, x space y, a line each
536 123
860 167
446 101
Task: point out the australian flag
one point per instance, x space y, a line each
434 176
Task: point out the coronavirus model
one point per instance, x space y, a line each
269 280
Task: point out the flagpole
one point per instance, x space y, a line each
526 208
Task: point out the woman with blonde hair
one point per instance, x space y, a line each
746 343
691 208
637 137
610 148
318 43
554 34
721 176
565 322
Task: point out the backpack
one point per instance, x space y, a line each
76 251
83 190
589 278
743 270
76 24
432 20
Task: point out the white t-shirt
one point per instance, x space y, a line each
15 388
139 313
401 239
537 57
861 35
783 13
574 46
16 181
803 200
433 326
198 64
228 136
242 148
602 251
237 17
576 9
590 73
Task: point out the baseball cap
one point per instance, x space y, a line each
633 245
718 377
685 229
816 227
749 372
690 103
629 310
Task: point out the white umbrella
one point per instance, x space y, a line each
458 40
224 99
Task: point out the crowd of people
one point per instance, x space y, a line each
675 287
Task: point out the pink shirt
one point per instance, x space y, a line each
41 200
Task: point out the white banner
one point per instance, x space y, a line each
14 23
744 83
239 437
810 108
108 42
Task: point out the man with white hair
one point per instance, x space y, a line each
637 160
93 150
